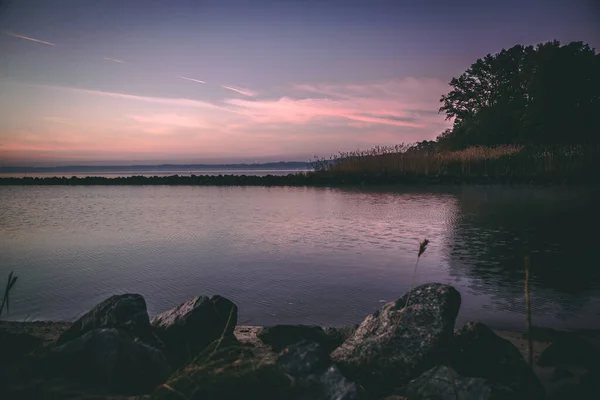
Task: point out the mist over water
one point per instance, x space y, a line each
302 255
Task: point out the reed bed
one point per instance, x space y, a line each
478 161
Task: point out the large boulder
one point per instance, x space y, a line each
480 353
443 383
281 336
126 312
401 341
189 328
108 358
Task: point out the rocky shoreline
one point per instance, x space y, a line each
408 349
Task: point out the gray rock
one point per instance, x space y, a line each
126 312
443 383
281 336
304 359
397 343
340 335
309 363
109 358
191 327
480 353
301 372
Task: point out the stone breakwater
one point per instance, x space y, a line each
302 179
195 351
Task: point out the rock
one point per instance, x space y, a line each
310 364
282 336
397 343
14 345
231 378
587 389
569 349
561 373
126 312
541 334
480 353
304 359
443 383
190 327
340 335
301 372
110 358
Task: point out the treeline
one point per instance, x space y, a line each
547 95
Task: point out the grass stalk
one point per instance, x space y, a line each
422 248
12 279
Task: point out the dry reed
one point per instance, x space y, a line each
503 160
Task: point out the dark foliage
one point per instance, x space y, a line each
542 95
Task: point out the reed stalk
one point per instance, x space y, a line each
528 310
9 285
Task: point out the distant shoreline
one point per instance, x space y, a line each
297 179
280 165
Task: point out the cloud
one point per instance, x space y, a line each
29 38
245 92
402 103
170 101
164 123
299 120
192 79
60 120
114 60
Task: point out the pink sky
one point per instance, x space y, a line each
290 123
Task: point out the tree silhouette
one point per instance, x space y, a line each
543 95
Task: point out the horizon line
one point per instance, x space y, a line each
15 166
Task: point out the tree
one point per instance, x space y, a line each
526 95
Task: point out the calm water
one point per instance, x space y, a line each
301 255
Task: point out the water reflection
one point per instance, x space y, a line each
497 227
301 255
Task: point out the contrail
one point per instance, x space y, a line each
115 60
29 38
245 92
192 79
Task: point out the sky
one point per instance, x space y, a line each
214 81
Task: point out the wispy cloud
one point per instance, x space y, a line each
401 103
243 91
192 79
163 123
29 38
148 99
60 120
114 60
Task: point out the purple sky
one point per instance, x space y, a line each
226 81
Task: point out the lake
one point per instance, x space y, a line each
302 255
